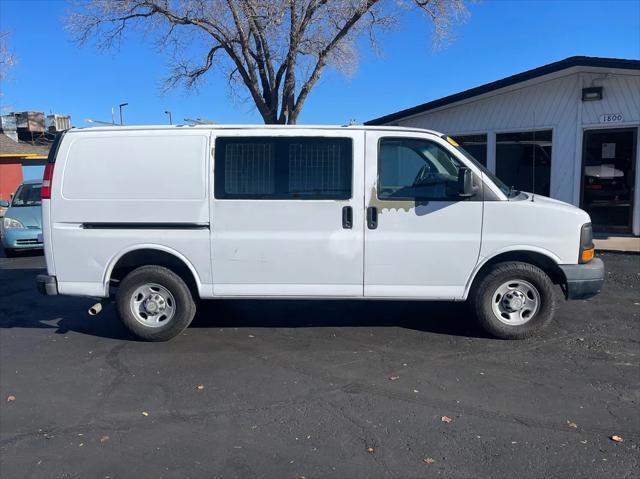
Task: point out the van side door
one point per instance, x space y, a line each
422 239
287 216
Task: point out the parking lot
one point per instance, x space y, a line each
342 389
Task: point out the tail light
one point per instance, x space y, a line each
47 179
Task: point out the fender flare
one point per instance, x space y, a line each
508 249
152 246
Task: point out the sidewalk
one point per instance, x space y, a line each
606 242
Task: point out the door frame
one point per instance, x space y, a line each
451 289
634 166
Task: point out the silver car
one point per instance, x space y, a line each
21 226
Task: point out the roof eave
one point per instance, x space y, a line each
571 62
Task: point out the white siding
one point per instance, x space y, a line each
621 95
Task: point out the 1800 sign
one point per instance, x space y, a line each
611 118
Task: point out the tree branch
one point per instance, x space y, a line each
322 56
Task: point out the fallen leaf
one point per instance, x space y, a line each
446 419
11 398
616 438
200 387
370 450
145 413
428 460
572 424
393 378
81 444
104 438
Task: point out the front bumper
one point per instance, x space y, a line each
583 280
22 239
47 284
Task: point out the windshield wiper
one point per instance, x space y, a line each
513 192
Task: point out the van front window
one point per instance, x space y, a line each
508 191
27 195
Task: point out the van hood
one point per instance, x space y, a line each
541 201
537 198
29 216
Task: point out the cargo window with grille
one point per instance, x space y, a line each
283 168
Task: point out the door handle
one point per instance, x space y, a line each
347 217
372 217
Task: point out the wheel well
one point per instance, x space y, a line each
143 257
543 262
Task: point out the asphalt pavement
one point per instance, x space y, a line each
318 389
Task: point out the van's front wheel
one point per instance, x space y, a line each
154 303
514 300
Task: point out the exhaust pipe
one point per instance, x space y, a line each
95 309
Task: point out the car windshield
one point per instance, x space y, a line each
27 195
508 191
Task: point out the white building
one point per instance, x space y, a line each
568 129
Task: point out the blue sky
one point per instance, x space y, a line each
500 38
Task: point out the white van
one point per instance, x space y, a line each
162 216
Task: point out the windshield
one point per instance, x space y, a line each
509 192
27 195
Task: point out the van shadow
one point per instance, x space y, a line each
70 315
21 306
435 317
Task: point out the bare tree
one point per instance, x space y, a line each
7 60
276 49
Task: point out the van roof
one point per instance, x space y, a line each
32 182
252 127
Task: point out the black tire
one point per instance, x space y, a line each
10 253
482 299
185 307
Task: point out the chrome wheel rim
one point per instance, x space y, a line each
152 305
515 302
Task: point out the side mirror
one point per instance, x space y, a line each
4 204
466 187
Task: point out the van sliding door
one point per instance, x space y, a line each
287 213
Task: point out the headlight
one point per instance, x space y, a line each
11 223
587 250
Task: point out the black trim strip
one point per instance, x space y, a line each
55 146
144 226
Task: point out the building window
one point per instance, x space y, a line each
476 146
414 169
283 168
516 155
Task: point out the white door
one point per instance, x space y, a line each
287 216
422 240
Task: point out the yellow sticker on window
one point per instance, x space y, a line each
452 141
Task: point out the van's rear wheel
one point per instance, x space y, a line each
154 303
514 300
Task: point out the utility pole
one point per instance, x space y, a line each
121 105
169 113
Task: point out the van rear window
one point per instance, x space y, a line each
283 168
